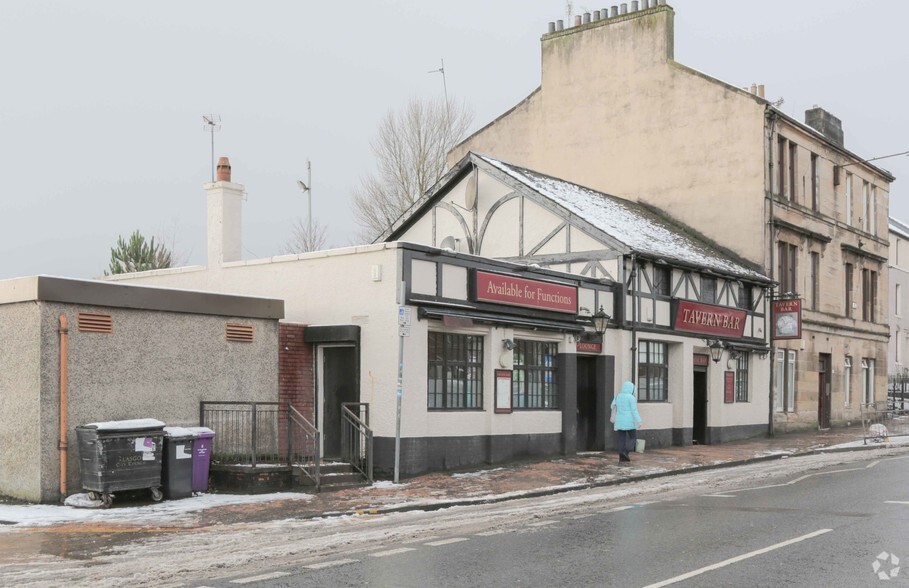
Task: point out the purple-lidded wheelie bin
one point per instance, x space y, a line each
201 457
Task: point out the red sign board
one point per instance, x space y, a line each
589 347
708 319
515 291
729 387
787 319
700 359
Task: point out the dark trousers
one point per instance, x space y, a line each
627 440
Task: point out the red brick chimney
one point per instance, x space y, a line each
223 170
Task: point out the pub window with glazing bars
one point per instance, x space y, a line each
653 371
455 370
534 377
741 378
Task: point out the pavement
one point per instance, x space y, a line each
544 477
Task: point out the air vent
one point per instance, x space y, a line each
240 333
95 322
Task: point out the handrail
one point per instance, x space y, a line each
308 430
357 438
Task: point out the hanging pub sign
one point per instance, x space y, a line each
514 291
708 319
787 319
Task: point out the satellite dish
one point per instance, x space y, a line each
449 243
470 198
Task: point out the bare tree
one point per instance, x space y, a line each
410 148
304 238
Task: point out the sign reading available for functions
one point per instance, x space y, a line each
528 293
707 319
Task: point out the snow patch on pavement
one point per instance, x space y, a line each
478 474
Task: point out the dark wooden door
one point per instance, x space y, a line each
699 421
823 391
587 404
339 384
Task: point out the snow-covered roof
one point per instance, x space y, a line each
637 226
899 227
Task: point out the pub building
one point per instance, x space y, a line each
496 320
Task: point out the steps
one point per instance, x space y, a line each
335 475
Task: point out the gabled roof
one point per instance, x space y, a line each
626 225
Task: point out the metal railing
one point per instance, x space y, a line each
356 438
898 391
259 434
881 420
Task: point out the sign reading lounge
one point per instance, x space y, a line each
514 291
708 319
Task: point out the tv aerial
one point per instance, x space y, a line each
212 124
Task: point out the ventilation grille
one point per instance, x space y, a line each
94 322
240 333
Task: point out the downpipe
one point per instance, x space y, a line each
63 384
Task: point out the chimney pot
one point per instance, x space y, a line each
761 90
634 6
596 15
223 170
645 4
551 27
614 11
586 18
560 25
577 20
623 8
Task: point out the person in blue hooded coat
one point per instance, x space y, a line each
627 420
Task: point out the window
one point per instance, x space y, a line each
897 303
708 290
869 293
872 211
744 301
899 347
815 196
848 272
741 378
653 371
662 280
867 380
785 380
534 381
849 199
455 371
815 279
781 154
787 267
793 171
847 380
865 212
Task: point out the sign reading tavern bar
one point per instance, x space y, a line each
695 317
528 293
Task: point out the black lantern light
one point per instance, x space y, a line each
600 321
716 350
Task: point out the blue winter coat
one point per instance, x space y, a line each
626 414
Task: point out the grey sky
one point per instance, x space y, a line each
100 111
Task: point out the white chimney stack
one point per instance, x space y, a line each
225 201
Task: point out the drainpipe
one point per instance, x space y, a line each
63 362
768 323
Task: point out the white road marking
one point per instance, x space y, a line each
446 541
620 508
491 533
330 564
252 579
583 516
895 502
392 552
542 523
736 559
718 495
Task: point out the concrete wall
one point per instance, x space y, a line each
20 410
153 365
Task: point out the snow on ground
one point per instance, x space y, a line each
889 442
388 485
80 508
477 474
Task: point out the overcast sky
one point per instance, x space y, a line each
101 102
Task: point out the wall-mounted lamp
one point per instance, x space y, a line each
508 344
599 321
716 349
